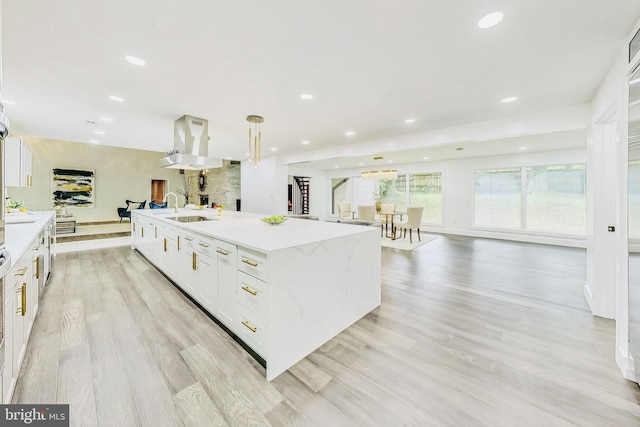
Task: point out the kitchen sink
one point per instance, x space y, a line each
191 218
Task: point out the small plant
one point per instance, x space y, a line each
15 204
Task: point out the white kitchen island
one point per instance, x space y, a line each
284 290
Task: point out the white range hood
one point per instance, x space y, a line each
190 141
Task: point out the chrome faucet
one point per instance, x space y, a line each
175 206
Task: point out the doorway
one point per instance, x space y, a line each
158 187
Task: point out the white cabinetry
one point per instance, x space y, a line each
18 284
17 163
226 263
198 270
252 299
169 241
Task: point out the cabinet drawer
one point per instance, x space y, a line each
252 294
253 263
198 243
251 329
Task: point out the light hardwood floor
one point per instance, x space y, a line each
470 332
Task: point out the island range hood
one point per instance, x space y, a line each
191 146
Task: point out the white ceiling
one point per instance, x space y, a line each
370 64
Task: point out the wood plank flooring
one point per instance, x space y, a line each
470 332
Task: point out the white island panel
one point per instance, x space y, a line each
318 290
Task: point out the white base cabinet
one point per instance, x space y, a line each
283 291
226 265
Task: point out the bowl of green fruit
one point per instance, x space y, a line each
274 220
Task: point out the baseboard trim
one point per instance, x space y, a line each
588 295
625 364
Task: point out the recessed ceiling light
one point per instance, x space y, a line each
425 158
228 158
389 161
410 121
490 20
305 142
247 154
8 102
523 148
350 133
135 61
94 141
360 164
336 166
116 98
509 99
306 96
274 149
106 119
100 132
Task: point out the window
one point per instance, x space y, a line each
425 190
634 200
407 190
540 198
555 199
497 198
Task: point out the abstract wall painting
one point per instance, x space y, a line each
73 188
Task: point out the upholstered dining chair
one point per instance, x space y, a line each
386 217
344 210
367 214
414 218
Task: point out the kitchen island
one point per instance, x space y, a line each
283 290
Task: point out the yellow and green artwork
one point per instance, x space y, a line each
73 188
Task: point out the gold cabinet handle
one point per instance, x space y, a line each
194 263
248 261
222 251
155 230
248 326
37 268
142 229
21 271
134 227
204 245
165 244
178 242
251 291
24 299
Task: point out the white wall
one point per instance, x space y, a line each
319 189
264 188
458 190
120 174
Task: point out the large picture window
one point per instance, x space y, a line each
497 198
541 198
407 190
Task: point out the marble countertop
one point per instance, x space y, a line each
19 235
246 229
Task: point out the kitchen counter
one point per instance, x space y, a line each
246 229
18 235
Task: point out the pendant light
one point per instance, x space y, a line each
254 143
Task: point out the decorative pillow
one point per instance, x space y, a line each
133 205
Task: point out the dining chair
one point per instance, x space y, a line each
386 217
367 213
414 218
344 210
